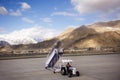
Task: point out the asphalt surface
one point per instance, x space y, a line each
94 67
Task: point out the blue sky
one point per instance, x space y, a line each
39 13
55 15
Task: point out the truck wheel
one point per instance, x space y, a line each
77 73
45 67
63 71
70 73
54 72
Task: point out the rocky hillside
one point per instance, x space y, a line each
100 34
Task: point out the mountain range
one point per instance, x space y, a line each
99 34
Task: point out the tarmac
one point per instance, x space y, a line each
94 67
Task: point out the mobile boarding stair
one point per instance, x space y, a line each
54 56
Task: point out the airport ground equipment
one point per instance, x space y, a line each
54 56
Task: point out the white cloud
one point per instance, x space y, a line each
3 10
25 5
27 20
48 20
16 13
88 6
63 13
28 35
80 19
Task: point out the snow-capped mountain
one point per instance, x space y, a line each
29 35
